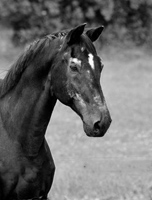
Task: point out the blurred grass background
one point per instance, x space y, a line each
124 20
119 165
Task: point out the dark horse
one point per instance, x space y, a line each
63 66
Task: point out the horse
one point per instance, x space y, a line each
63 66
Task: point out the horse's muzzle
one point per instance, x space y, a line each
98 128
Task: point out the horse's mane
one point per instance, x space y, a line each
34 49
14 74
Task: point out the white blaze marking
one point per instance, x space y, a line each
76 61
91 62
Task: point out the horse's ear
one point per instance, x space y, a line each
74 35
93 34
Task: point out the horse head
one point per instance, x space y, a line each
75 79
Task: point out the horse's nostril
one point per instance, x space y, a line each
97 126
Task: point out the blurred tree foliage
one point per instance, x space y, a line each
123 19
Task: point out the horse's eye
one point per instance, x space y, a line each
74 67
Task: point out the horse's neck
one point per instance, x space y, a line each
26 112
